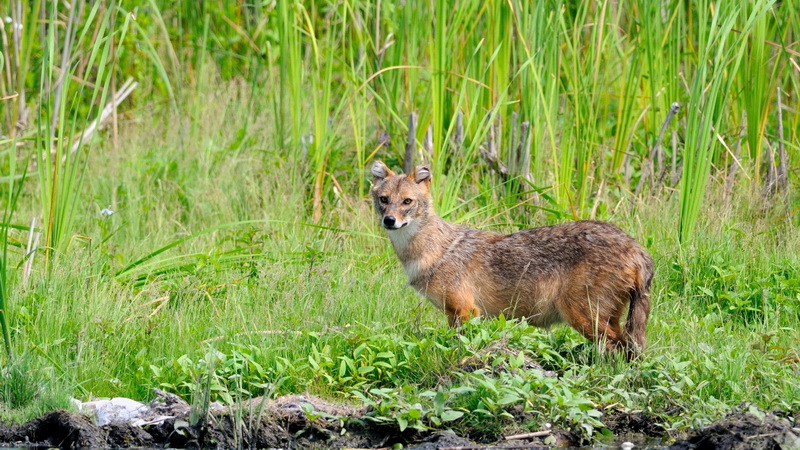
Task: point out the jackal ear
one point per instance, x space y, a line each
380 171
422 174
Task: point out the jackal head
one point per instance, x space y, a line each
401 200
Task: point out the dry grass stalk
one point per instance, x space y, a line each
123 93
411 143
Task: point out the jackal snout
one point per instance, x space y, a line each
389 222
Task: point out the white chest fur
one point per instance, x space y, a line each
401 239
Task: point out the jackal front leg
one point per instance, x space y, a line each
460 307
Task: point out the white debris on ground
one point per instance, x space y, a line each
121 410
116 410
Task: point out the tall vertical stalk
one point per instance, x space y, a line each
61 161
14 188
720 53
291 75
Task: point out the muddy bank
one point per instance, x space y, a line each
293 421
308 422
746 428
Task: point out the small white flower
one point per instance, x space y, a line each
105 212
17 25
627 445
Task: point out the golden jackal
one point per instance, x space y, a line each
582 273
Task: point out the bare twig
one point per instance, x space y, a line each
123 93
513 156
411 143
428 142
491 143
30 251
458 138
674 166
647 171
783 158
728 149
659 156
734 165
75 78
771 172
524 151
534 434
494 162
489 153
677 169
498 137
676 177
597 197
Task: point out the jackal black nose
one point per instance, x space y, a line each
389 221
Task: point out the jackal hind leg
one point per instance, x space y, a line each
597 320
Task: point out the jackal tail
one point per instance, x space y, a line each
639 308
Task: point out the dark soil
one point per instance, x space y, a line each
283 423
279 423
442 439
749 429
639 428
57 429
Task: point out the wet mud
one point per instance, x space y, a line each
746 429
285 422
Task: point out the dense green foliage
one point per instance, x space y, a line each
242 258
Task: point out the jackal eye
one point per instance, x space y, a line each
407 201
384 200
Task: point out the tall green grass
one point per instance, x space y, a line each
60 142
589 77
718 64
10 199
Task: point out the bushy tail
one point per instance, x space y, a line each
640 306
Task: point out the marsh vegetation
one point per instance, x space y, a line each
211 235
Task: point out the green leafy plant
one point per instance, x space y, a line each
227 377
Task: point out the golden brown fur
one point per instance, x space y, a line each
585 273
